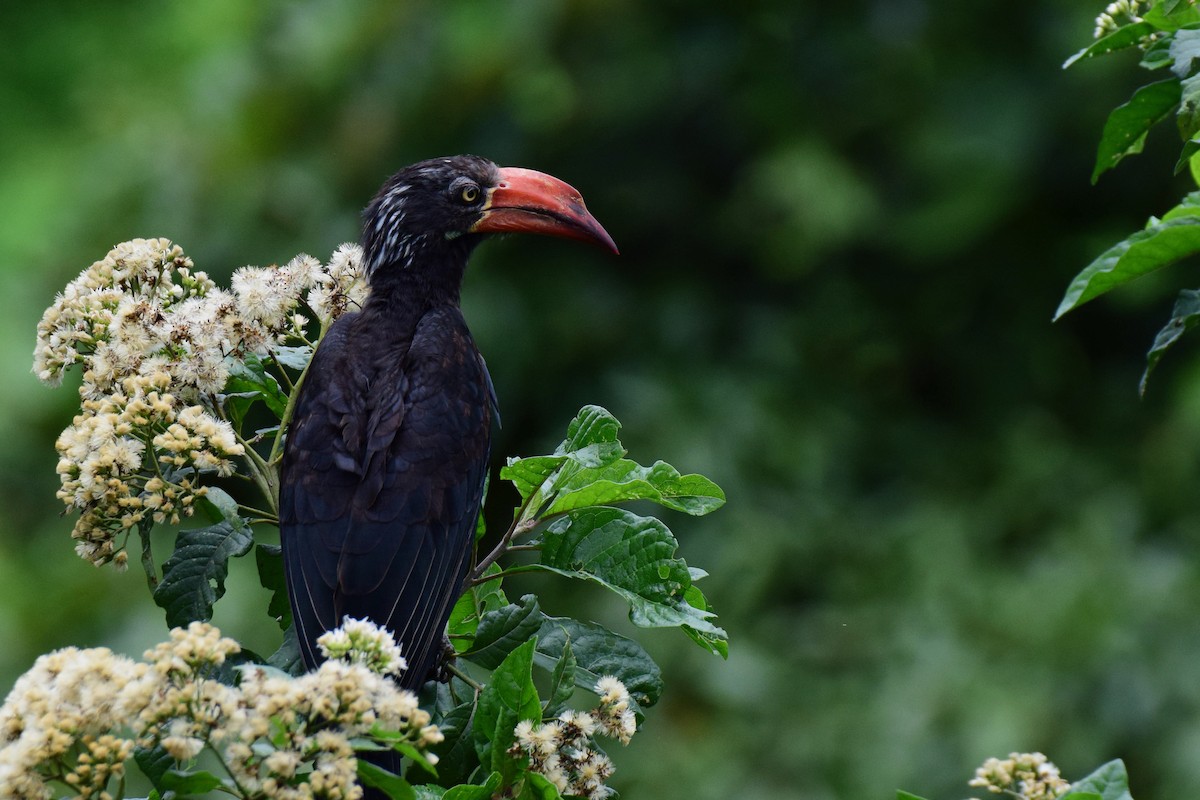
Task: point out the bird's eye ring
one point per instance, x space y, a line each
469 193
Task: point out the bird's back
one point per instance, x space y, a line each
383 478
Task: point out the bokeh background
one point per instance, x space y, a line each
953 529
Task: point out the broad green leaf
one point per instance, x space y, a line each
1184 317
503 630
562 679
269 558
483 792
154 763
456 752
528 474
1126 128
1161 243
714 644
429 792
1125 36
249 378
538 787
1109 782
194 576
903 795
383 739
1168 17
1082 796
630 555
624 480
1157 55
1187 120
598 651
508 698
593 425
292 357
1184 49
217 504
377 777
184 783
470 606
287 658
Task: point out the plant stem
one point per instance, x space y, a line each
504 573
518 526
277 446
464 677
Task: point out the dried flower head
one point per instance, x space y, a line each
1025 776
80 713
361 641
157 343
564 751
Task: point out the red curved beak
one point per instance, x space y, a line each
527 201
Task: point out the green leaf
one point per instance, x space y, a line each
508 698
393 786
593 427
562 679
624 480
1126 36
1187 120
287 658
1157 55
630 555
714 644
1127 125
503 630
538 787
598 651
1184 317
1184 49
154 763
194 576
903 795
185 783
1160 244
427 792
470 606
483 792
269 558
249 381
1167 17
1110 782
456 751
292 357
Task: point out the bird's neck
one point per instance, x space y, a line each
401 293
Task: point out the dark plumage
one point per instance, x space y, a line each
383 471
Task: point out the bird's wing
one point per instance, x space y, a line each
382 483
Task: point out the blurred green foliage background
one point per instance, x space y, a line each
953 529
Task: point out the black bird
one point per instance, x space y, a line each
383 471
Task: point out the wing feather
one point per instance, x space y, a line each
382 481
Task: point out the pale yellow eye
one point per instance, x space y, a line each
469 193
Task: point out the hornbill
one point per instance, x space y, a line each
383 470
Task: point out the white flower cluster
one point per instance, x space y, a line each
279 737
1118 14
563 750
156 341
1025 776
361 641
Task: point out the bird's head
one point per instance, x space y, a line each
433 213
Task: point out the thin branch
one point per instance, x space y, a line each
464 677
504 573
519 525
